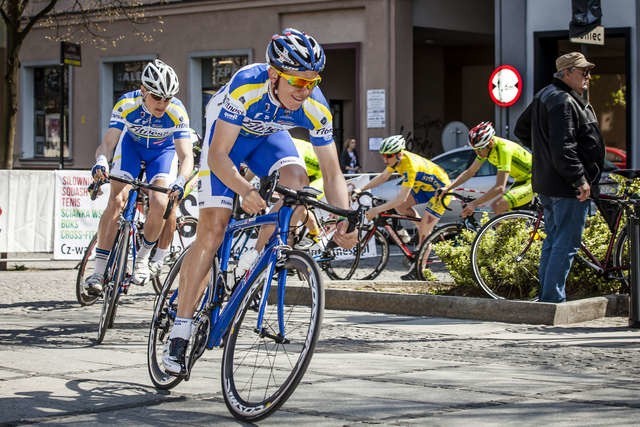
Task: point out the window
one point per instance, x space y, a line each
48 126
127 76
216 72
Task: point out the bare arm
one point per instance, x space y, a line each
185 157
379 179
104 152
497 190
335 185
464 176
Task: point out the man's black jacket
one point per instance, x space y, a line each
567 146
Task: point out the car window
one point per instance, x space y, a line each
487 169
455 163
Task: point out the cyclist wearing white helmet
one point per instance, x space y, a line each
421 178
247 122
509 158
150 125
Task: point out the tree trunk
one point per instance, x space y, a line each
10 111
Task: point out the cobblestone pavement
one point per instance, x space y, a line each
369 368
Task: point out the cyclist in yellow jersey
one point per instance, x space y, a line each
421 178
509 158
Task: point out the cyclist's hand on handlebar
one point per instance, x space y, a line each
355 193
343 238
468 209
176 190
252 203
441 191
100 171
372 213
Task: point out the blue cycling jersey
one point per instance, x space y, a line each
246 101
145 128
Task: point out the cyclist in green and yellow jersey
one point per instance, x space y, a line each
509 158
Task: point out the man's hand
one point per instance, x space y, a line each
441 191
176 190
344 239
372 213
468 209
584 191
252 203
100 171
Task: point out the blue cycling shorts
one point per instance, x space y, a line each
263 155
160 162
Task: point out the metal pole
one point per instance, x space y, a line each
633 225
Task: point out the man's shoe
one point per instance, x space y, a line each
411 274
173 356
141 271
93 284
155 268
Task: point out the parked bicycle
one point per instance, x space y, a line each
267 323
121 261
506 252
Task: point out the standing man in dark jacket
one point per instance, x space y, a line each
568 156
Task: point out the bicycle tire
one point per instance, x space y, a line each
428 259
621 260
114 276
370 257
82 296
260 370
185 228
505 256
165 309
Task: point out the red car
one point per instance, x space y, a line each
617 156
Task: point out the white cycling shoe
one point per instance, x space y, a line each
141 271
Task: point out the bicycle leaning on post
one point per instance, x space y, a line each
119 270
268 322
505 254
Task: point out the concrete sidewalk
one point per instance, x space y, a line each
369 368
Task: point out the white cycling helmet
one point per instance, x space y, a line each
481 135
392 144
160 79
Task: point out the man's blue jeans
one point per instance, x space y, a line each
564 220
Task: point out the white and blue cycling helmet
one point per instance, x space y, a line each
295 50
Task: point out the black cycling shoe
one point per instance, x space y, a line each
410 275
173 358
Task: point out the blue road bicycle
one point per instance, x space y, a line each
267 323
119 269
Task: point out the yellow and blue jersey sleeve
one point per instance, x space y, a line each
420 174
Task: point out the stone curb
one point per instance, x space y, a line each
486 309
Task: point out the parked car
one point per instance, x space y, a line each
617 156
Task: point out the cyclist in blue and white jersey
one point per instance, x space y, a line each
247 121
149 125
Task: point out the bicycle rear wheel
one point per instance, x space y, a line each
164 314
114 276
428 259
505 255
81 295
261 368
622 260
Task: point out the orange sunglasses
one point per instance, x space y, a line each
299 82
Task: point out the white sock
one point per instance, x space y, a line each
159 254
100 263
181 328
145 249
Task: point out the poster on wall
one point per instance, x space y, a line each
376 111
76 216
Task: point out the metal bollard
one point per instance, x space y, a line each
634 255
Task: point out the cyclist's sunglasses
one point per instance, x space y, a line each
388 156
160 98
299 82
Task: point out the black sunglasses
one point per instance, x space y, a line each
160 98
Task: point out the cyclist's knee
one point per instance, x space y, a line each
294 176
500 205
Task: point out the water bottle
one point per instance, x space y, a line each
246 261
404 235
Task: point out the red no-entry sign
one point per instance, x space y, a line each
505 86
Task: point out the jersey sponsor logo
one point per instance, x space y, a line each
323 132
146 131
232 107
229 116
261 128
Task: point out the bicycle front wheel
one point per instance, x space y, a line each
183 236
81 295
114 276
505 255
428 259
622 260
165 310
268 348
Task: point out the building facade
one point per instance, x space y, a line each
420 66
